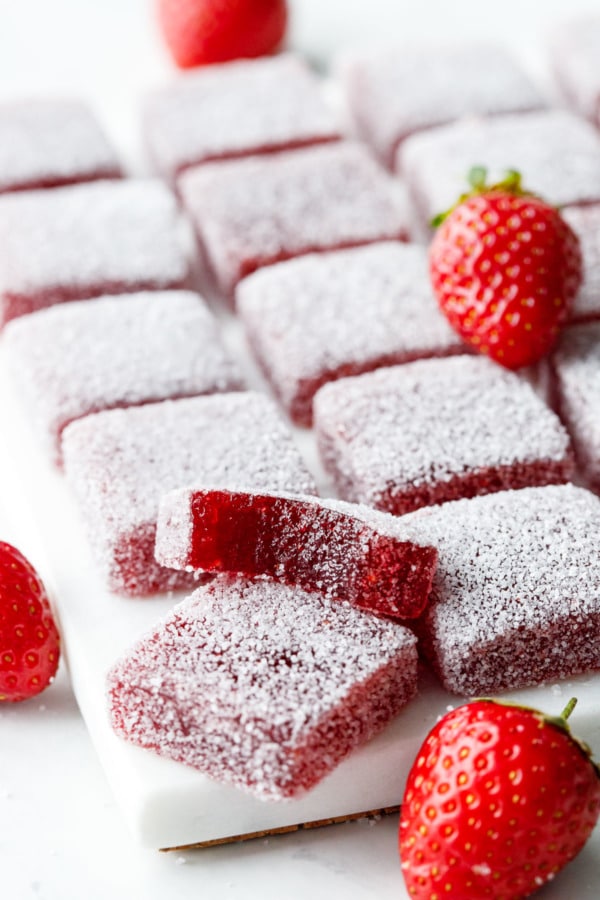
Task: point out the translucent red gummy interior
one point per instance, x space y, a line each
302 542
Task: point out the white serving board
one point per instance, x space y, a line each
165 803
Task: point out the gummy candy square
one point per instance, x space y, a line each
253 212
395 92
437 430
81 357
556 152
324 316
576 382
49 143
236 109
262 686
516 594
120 462
319 545
71 243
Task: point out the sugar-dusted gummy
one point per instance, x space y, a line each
516 594
261 685
253 212
71 243
236 109
437 430
574 56
585 222
325 316
120 462
576 384
393 92
85 356
319 545
48 143
556 152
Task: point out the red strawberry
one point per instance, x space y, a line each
29 641
499 799
505 268
210 31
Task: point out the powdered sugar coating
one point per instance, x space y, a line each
394 92
516 595
297 541
106 237
234 109
585 222
323 316
229 684
436 430
556 152
253 212
574 50
46 143
576 367
119 462
81 357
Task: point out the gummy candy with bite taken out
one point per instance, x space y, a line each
335 548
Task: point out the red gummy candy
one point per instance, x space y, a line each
343 551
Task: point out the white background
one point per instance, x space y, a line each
61 835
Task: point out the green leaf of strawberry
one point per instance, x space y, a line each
505 268
499 799
29 640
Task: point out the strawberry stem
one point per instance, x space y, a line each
569 708
477 179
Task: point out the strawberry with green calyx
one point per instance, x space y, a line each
29 639
499 799
505 268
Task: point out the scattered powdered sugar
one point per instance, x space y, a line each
573 50
576 367
296 540
252 212
556 152
44 143
516 594
434 430
120 462
81 357
235 109
585 221
229 683
322 316
86 240
392 93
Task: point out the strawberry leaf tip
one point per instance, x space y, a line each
477 179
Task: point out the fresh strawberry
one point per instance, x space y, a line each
210 31
499 799
505 268
29 641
